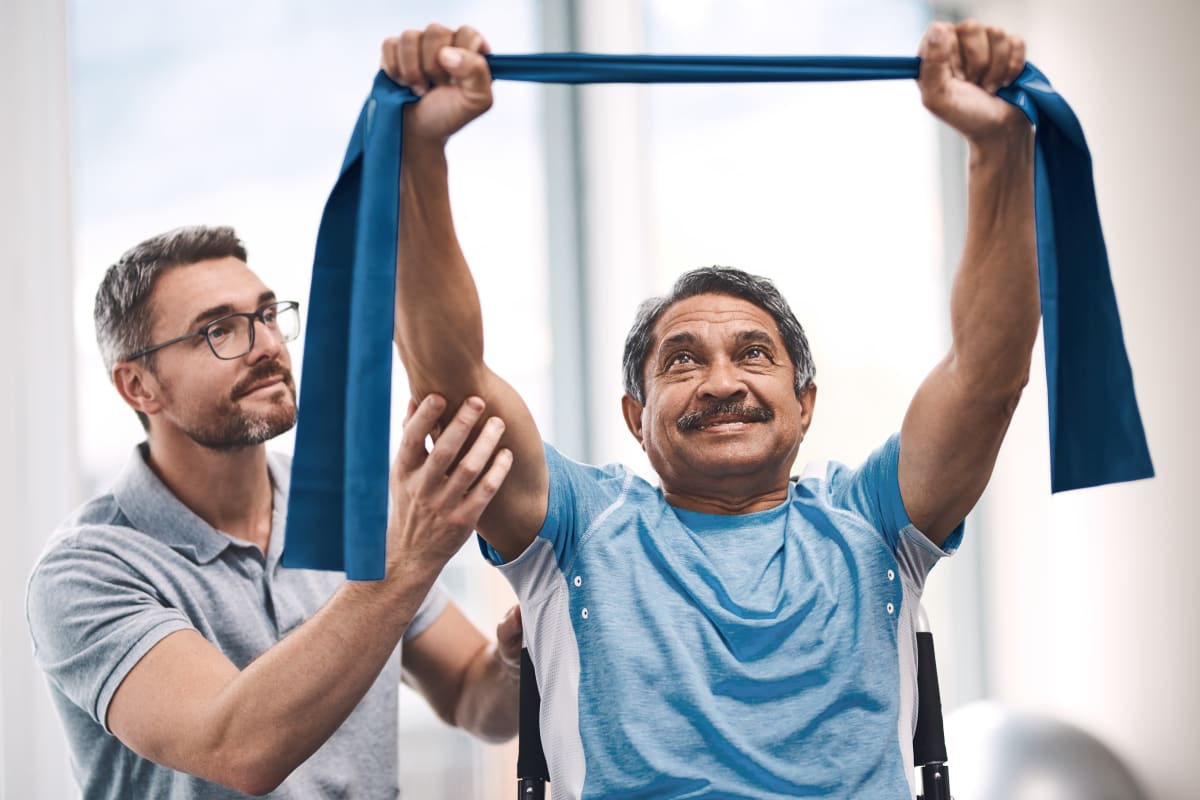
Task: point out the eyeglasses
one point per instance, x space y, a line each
232 336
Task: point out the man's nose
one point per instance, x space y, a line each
722 380
268 343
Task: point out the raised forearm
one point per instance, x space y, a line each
439 328
994 305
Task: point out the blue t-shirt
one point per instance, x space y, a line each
687 655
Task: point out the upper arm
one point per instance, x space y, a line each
949 443
514 517
135 665
436 660
160 710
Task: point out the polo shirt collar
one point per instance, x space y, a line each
154 510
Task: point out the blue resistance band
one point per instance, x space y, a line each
337 512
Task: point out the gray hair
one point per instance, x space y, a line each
715 280
124 314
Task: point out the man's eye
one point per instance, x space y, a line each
217 332
268 316
680 358
756 352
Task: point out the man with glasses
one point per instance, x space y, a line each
185 662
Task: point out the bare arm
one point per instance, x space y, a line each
187 707
469 681
958 417
439 330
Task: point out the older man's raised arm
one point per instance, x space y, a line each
439 329
957 420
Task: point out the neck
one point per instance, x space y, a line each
230 490
725 501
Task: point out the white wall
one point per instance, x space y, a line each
38 466
1091 597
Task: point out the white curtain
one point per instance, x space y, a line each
38 470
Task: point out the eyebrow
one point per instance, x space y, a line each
742 338
226 308
756 336
682 338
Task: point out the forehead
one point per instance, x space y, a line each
713 315
182 293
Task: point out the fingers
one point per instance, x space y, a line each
477 499
451 441
420 423
435 38
999 48
990 57
509 637
468 38
476 460
1016 60
941 59
976 50
419 59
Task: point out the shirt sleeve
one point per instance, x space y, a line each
872 491
92 617
579 494
431 608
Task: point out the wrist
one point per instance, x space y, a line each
1011 144
411 577
421 152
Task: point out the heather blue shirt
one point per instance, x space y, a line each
687 655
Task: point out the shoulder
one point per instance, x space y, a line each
609 480
96 525
870 491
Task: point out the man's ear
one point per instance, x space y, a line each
632 410
137 387
808 400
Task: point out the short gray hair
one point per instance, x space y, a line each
123 313
715 280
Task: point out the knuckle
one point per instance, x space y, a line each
471 466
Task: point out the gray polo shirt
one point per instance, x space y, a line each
134 565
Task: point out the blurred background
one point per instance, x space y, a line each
124 118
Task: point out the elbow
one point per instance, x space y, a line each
997 383
495 728
492 716
494 721
252 775
251 767
1013 397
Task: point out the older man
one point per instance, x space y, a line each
731 632
184 660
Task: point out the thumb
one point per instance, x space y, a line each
469 71
940 62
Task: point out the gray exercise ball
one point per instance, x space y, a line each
999 753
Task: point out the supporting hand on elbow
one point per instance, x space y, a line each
438 496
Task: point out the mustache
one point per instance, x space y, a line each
260 372
698 419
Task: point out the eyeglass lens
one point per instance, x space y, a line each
230 337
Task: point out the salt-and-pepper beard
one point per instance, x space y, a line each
230 427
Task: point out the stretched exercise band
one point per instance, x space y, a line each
337 512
